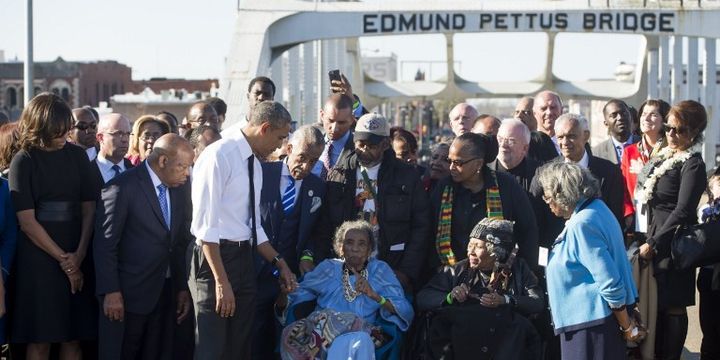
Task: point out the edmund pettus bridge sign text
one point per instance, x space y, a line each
661 22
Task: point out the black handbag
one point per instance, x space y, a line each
696 245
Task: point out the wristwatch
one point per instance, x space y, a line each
277 258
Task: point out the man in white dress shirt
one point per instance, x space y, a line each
113 135
226 222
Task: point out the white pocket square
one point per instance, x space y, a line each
316 202
397 247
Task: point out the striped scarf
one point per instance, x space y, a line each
444 230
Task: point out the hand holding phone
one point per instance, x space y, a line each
334 75
339 84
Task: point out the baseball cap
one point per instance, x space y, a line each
372 127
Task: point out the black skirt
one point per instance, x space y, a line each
44 310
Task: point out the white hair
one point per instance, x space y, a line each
567 183
307 135
512 123
577 118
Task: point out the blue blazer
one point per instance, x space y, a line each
310 197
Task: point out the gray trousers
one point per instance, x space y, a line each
217 337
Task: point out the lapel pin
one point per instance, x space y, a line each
310 193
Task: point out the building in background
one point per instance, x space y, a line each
175 101
93 83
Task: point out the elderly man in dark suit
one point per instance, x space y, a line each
289 206
141 233
573 132
619 124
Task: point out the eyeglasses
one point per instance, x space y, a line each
680 130
509 141
118 133
84 126
523 112
459 163
150 136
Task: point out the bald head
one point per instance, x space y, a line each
486 124
83 113
170 145
84 128
113 135
110 122
202 113
547 106
462 118
171 159
524 112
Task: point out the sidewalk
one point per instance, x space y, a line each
692 342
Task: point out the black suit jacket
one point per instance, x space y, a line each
606 150
611 185
611 188
541 147
132 246
348 150
309 200
98 180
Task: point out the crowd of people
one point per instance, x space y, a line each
168 238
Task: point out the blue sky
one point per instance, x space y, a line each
190 39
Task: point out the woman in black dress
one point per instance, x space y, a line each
51 190
671 185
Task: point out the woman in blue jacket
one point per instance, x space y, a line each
589 279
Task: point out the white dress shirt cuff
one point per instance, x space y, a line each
210 235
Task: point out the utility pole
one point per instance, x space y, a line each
28 69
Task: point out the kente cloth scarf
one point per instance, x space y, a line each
444 230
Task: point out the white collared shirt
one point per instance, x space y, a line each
105 167
234 131
583 163
156 182
220 196
284 181
557 145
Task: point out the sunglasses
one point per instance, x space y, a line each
84 126
680 130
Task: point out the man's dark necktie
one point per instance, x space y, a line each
251 176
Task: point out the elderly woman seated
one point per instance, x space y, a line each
360 304
481 304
